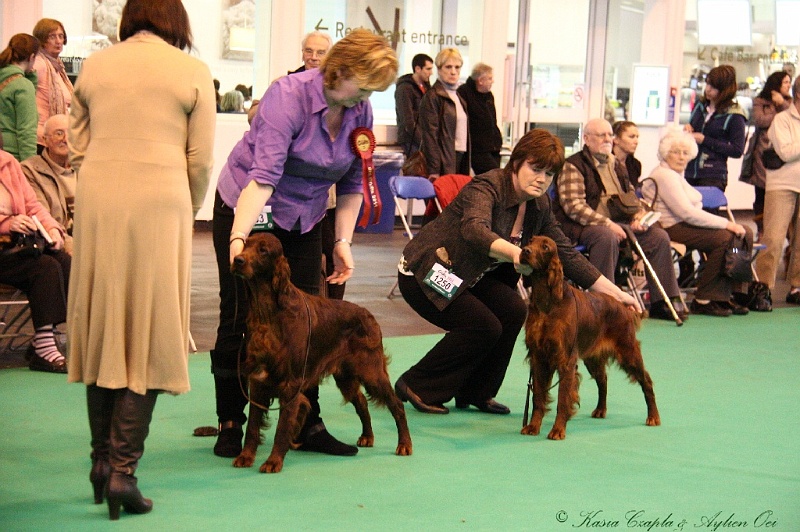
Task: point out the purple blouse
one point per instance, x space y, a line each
289 147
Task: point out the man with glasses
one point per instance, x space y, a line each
314 47
51 176
584 187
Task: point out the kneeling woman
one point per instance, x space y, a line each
684 219
474 246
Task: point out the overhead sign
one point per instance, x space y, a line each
650 95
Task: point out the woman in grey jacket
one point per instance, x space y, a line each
476 243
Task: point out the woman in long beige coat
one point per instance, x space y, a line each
141 138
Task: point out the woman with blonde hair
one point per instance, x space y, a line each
300 143
18 115
54 91
443 120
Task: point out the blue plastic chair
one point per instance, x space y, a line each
714 198
409 188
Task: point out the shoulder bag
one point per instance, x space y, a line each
771 159
738 259
746 175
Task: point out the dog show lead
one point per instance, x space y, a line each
277 179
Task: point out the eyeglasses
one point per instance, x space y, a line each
602 135
678 151
59 134
314 53
53 37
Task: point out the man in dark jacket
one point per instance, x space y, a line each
483 131
408 94
584 186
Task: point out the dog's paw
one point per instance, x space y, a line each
365 441
653 421
272 465
403 450
557 433
530 430
599 413
244 460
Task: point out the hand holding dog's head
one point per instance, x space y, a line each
262 260
547 277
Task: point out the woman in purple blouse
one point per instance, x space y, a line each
277 179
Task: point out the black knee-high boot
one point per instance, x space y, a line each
100 405
130 426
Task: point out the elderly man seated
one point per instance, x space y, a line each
51 176
584 187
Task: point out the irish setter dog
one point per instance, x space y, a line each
565 324
295 341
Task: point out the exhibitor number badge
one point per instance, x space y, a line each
264 221
443 281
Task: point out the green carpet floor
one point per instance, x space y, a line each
726 455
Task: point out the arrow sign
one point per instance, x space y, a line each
319 26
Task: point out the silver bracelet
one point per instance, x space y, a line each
342 240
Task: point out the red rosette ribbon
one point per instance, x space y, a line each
362 142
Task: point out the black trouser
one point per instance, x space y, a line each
482 326
45 281
482 162
304 253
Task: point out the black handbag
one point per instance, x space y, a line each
746 175
24 245
623 207
738 259
415 165
771 159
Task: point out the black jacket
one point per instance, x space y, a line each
483 131
407 97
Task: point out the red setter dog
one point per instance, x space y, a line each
565 324
296 340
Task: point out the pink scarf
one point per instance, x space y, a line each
56 70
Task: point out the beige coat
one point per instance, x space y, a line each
141 139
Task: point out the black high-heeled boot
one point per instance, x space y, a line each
100 405
130 426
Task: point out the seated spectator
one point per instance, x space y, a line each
584 187
477 238
232 102
626 140
683 217
52 177
42 276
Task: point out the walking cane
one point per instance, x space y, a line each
649 267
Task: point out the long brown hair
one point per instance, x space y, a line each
723 78
20 47
166 18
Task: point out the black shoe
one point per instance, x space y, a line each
793 298
736 308
712 308
37 363
489 406
405 394
229 440
660 311
321 441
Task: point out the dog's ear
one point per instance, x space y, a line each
281 281
555 278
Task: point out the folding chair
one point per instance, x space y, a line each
409 188
14 316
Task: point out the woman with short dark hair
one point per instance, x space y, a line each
475 243
143 164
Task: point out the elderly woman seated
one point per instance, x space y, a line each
42 276
684 219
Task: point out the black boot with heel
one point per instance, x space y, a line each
100 405
129 428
